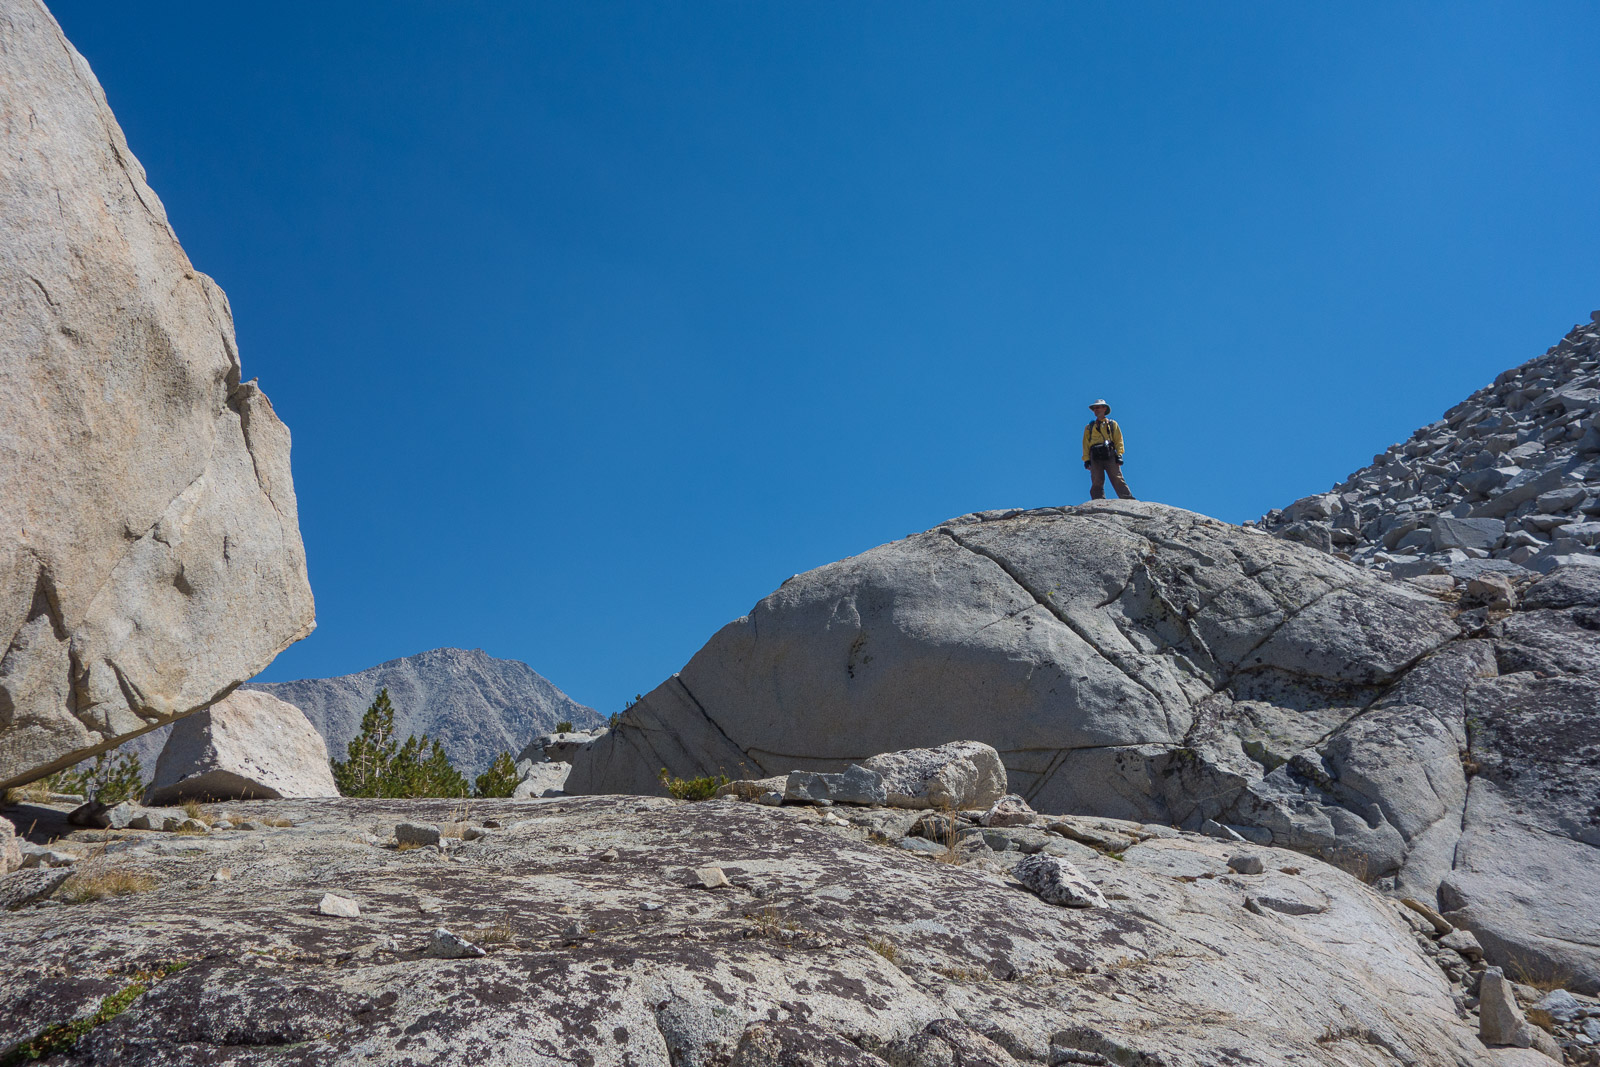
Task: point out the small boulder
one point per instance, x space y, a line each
962 774
854 785
1492 589
444 945
1055 881
1463 942
1009 810
710 878
1246 863
418 835
1500 1018
247 746
541 778
333 904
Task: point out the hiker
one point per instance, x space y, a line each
1102 453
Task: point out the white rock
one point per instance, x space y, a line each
956 776
150 554
1009 810
248 746
333 904
541 777
710 877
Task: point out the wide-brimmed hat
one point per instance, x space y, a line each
1100 404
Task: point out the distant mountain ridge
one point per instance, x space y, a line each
476 705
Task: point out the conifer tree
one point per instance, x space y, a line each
500 780
371 753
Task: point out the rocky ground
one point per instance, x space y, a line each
1507 480
607 936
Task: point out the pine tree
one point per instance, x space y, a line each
371 754
500 780
379 765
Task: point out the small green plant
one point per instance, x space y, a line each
112 778
563 727
379 765
63 1037
692 788
500 780
614 720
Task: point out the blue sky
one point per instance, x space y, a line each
594 322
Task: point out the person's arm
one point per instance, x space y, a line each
1086 431
1116 438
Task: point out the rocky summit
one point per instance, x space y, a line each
1508 481
150 555
641 931
1137 661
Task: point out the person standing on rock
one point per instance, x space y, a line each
1102 453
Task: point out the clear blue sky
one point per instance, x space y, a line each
593 322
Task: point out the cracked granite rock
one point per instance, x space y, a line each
598 950
1137 661
150 555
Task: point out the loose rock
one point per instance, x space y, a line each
343 907
1055 881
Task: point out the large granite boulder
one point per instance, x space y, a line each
150 556
1126 659
1135 661
248 746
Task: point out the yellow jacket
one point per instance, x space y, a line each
1096 432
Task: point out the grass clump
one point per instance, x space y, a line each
103 883
692 788
885 948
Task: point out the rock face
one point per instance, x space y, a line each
600 945
150 555
247 746
476 705
1508 479
1141 662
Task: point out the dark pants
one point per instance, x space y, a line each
1098 469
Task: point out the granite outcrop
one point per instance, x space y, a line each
150 553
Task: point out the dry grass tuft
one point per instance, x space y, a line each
1545 977
408 846
193 810
500 933
276 820
102 883
885 948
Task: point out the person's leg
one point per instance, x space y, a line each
1097 480
1115 470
